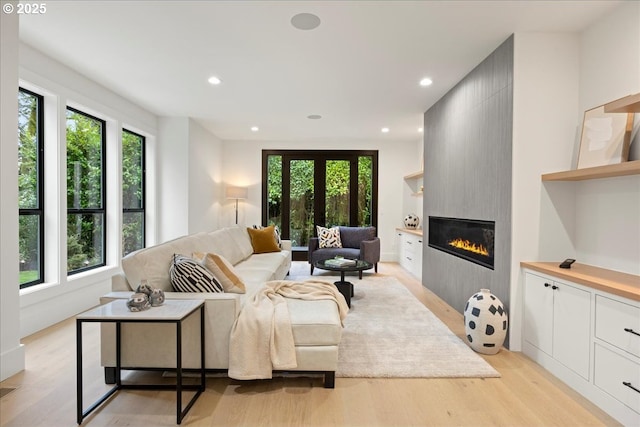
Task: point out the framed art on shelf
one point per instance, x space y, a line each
605 138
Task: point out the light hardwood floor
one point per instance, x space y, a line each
525 395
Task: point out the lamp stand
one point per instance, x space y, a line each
236 211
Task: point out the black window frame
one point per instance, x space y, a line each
40 211
103 209
143 185
321 157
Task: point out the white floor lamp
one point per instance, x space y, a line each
237 193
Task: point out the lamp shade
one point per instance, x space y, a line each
236 192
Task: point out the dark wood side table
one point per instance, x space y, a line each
345 288
172 311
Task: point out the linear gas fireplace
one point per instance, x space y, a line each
469 239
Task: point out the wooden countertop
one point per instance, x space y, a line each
614 282
417 232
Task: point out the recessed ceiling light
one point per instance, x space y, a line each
426 81
214 80
255 128
305 21
385 130
420 129
314 117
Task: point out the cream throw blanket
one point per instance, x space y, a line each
261 339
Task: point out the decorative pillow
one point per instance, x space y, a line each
223 271
328 237
187 275
263 240
276 233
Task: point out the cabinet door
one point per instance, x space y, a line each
572 324
538 312
417 265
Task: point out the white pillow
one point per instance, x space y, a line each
329 237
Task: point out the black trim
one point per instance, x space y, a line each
103 200
143 185
320 157
40 177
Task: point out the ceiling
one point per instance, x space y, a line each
359 69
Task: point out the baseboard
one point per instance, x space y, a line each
12 362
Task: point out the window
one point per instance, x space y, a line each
86 185
302 189
30 188
133 194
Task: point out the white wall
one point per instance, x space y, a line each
205 175
608 210
189 194
545 112
11 351
243 166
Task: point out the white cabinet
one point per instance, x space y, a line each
580 325
556 321
410 251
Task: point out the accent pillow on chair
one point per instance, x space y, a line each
328 237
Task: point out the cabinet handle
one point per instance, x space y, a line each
546 285
628 384
419 241
554 287
631 331
409 258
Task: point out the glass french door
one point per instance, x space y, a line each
302 189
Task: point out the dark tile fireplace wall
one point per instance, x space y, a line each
467 174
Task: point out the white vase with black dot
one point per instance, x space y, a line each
485 322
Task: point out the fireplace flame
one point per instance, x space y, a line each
469 246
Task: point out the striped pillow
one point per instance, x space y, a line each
187 275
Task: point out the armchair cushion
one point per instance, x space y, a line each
353 236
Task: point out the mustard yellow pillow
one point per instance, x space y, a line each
263 240
223 271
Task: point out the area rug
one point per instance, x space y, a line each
388 333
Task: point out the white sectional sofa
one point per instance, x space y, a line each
316 324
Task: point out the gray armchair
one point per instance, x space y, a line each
357 243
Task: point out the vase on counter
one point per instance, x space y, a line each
412 221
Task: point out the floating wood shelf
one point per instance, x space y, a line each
414 175
628 104
597 172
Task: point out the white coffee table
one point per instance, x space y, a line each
172 311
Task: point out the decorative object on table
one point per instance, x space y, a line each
144 288
156 298
412 221
139 302
485 322
605 139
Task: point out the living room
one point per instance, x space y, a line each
187 195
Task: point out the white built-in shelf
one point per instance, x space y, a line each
596 172
628 104
414 175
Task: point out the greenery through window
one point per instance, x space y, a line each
303 189
86 228
30 188
133 196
